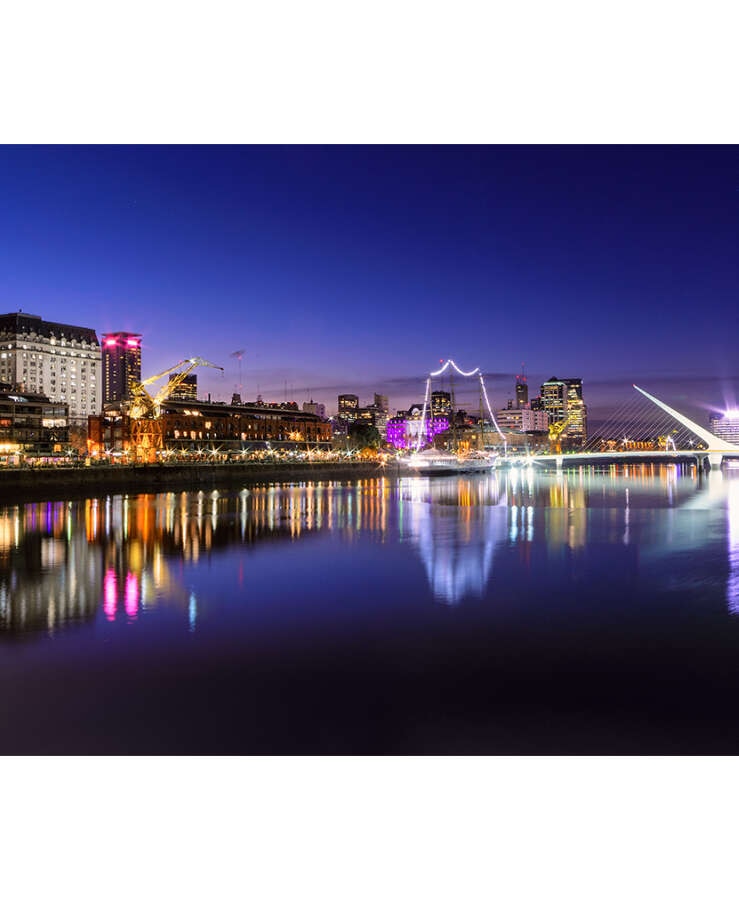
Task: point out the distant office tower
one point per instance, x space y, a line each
562 400
380 409
725 426
187 389
121 365
59 361
348 406
381 402
522 392
441 404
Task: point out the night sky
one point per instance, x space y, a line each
359 268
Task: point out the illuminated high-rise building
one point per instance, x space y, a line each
121 365
187 389
441 404
61 362
725 426
348 406
562 400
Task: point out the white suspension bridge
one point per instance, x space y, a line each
704 446
713 449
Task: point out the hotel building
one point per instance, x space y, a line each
61 362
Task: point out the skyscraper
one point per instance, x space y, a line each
522 392
187 389
59 361
563 402
441 404
121 365
348 406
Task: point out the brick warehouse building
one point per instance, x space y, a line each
191 426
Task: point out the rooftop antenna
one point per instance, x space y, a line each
238 354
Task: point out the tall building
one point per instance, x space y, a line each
522 392
441 404
121 365
187 389
725 426
562 400
381 402
61 362
348 406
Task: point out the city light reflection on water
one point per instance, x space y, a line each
118 559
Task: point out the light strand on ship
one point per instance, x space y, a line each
422 430
487 403
450 362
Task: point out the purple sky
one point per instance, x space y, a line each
356 269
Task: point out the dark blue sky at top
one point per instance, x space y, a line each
360 268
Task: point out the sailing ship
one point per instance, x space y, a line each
454 460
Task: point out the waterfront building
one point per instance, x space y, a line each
563 401
31 425
522 420
60 362
187 389
403 429
725 426
375 413
121 365
194 426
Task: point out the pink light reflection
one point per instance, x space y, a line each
110 592
132 595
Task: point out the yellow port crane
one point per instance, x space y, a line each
147 434
556 430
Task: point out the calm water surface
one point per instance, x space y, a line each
539 613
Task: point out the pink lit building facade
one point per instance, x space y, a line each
121 365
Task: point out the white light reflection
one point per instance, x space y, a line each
732 585
458 558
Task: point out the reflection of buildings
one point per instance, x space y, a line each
49 574
455 526
63 562
732 506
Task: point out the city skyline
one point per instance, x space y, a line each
616 265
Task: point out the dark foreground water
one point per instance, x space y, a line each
542 613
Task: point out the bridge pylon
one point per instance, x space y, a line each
716 446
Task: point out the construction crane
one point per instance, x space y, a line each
556 430
147 434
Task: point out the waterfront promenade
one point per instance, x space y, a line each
22 482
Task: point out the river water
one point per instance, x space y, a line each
575 612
